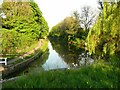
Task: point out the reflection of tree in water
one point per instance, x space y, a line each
72 56
69 54
41 59
85 59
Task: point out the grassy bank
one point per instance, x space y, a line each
19 65
42 48
23 51
39 50
95 76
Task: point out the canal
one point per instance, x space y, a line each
59 56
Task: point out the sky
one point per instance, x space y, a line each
1 1
54 11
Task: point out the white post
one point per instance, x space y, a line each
5 61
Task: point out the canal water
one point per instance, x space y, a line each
54 60
59 56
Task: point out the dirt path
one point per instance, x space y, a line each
26 54
1 68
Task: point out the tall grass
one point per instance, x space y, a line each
94 76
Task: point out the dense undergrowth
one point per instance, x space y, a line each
22 27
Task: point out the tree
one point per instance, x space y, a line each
100 4
76 16
104 37
87 18
28 21
24 23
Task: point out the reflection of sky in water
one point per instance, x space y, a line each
54 61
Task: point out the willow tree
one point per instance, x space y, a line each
104 37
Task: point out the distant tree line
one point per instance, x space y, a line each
100 36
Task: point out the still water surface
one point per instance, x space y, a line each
60 56
54 61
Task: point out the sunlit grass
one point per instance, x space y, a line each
35 54
94 76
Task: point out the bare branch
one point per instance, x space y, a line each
87 17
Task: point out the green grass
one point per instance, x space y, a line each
94 76
23 49
41 50
35 44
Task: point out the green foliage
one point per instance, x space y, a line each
24 25
42 25
25 17
68 29
64 28
12 41
95 76
104 37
